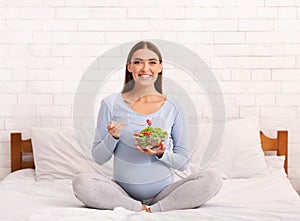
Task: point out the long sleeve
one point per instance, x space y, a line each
178 158
104 144
132 170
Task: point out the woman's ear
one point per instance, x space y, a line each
129 68
160 67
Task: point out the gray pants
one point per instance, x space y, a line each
99 192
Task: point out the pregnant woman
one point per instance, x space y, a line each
142 177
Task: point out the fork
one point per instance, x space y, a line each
128 123
136 124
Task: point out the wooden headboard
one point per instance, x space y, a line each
18 148
21 147
279 144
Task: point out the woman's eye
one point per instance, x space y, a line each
153 62
136 62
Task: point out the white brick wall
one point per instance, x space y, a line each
251 46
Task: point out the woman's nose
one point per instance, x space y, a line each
145 66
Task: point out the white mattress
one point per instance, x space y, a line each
265 198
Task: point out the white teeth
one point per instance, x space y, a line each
144 76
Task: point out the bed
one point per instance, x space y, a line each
262 197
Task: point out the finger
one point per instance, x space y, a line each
149 150
160 151
162 146
112 124
141 149
138 147
111 130
119 127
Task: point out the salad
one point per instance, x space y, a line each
150 137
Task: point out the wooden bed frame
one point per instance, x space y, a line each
21 147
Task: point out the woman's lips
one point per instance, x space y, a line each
145 76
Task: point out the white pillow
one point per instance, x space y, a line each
240 154
276 165
57 154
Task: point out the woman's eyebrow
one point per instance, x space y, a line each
140 59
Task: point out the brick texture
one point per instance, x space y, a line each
252 48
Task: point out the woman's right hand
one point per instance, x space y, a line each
115 128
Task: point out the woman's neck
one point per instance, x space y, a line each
142 93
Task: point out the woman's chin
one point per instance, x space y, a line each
145 82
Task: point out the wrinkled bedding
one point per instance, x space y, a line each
270 197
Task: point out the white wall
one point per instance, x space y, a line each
252 47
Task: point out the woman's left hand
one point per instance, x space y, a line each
158 152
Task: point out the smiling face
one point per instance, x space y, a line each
144 66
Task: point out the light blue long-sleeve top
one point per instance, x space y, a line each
141 175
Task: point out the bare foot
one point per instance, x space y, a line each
144 208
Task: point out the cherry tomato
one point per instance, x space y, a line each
149 122
147 133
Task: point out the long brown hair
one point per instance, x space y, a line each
129 82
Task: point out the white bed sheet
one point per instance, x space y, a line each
264 198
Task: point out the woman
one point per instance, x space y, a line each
143 178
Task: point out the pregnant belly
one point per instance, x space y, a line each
142 181
146 191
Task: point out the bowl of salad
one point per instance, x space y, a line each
150 137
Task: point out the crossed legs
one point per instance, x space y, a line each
189 192
97 191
